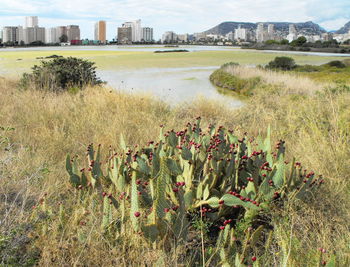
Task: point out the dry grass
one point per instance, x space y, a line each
48 126
292 83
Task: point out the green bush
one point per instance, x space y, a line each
229 64
61 74
282 63
336 63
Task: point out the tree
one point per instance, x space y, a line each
299 42
282 63
63 38
284 42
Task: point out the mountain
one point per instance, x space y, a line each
306 27
344 29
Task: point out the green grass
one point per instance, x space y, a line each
325 73
119 60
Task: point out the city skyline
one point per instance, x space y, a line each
180 16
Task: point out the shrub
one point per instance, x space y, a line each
282 63
222 78
336 63
229 64
61 74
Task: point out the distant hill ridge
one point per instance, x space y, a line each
344 29
307 27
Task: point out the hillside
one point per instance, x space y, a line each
226 27
344 29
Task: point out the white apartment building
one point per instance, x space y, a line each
51 36
271 31
183 37
169 37
33 34
12 34
136 30
31 22
230 36
261 33
293 34
240 34
147 34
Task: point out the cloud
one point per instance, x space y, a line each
180 15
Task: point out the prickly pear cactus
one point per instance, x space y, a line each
213 172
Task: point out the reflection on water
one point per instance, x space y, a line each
172 85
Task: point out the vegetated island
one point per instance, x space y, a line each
301 45
172 51
282 71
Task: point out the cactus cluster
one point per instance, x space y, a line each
210 172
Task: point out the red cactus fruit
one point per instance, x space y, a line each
137 214
253 258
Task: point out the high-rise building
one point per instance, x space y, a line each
31 22
136 30
61 32
100 31
271 31
33 34
73 33
12 34
169 37
183 37
240 34
260 33
293 34
51 36
147 34
124 35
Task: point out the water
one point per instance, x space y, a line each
173 85
152 48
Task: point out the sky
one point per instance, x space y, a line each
181 16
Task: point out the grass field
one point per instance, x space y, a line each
15 62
